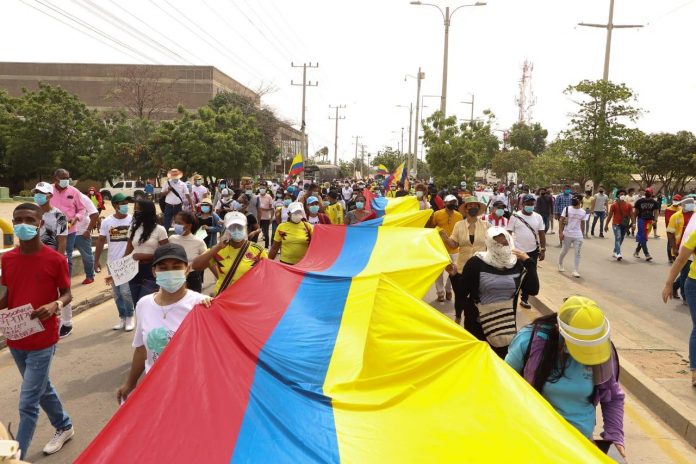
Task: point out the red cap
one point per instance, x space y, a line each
676 197
649 190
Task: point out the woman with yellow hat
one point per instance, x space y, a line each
569 359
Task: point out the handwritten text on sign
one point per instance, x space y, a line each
16 324
123 270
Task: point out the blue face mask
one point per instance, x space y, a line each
499 212
171 281
64 183
327 203
314 209
286 202
567 191
178 229
123 209
40 199
25 232
205 209
237 235
359 204
528 209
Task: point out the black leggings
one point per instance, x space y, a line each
266 229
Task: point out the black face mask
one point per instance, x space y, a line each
601 192
542 193
451 206
473 212
575 202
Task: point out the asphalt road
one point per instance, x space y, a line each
92 363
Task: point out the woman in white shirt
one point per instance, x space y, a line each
159 315
185 226
572 225
145 236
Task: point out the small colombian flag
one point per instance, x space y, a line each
297 165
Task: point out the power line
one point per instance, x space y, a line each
81 31
279 14
117 22
270 29
82 23
336 118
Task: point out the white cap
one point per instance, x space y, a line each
43 187
225 192
449 198
235 217
295 207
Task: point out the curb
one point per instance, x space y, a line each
670 409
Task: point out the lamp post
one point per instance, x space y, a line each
410 124
413 163
446 16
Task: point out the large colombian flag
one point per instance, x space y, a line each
341 362
297 165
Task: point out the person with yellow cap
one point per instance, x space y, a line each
569 359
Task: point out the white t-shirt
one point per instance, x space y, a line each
116 232
632 199
600 202
55 224
193 245
151 244
525 240
199 192
171 197
156 324
573 229
90 209
347 193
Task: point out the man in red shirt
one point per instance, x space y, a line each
37 275
620 217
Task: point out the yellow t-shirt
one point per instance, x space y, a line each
690 243
446 222
587 203
336 214
294 240
224 259
676 225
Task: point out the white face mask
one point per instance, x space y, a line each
296 217
689 207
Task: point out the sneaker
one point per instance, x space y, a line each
601 235
619 257
648 258
87 281
121 325
636 255
561 268
613 255
448 296
129 324
65 330
525 304
58 440
576 274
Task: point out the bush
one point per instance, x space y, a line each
25 193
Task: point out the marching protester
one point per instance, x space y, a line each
226 203
210 222
68 199
54 228
445 220
83 237
422 196
498 217
292 238
490 285
114 232
569 359
527 229
468 237
233 256
645 212
672 208
544 206
145 236
175 196
35 274
620 217
313 212
265 214
334 210
253 228
160 314
675 233
199 192
562 202
587 201
570 231
359 214
599 208
185 226
631 198
96 199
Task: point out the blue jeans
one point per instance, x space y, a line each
619 235
124 301
169 212
599 215
690 293
84 246
37 391
69 248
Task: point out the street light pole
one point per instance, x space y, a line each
414 164
446 16
410 121
471 120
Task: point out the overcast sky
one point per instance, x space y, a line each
365 47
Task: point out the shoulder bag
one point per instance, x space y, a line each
233 269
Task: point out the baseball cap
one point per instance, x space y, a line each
295 207
677 197
205 201
528 197
235 217
119 197
649 190
312 199
43 187
449 198
170 251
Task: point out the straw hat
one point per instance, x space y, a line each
175 174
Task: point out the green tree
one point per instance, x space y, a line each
456 151
597 134
510 161
555 165
389 157
531 138
667 159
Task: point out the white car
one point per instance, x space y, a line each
130 188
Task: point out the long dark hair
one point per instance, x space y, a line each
189 219
147 219
554 358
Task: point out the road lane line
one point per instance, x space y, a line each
652 433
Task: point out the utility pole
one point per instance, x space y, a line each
471 120
609 26
362 160
355 162
413 164
410 127
337 117
304 85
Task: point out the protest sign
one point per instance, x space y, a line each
202 234
16 324
123 270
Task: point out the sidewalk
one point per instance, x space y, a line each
654 364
